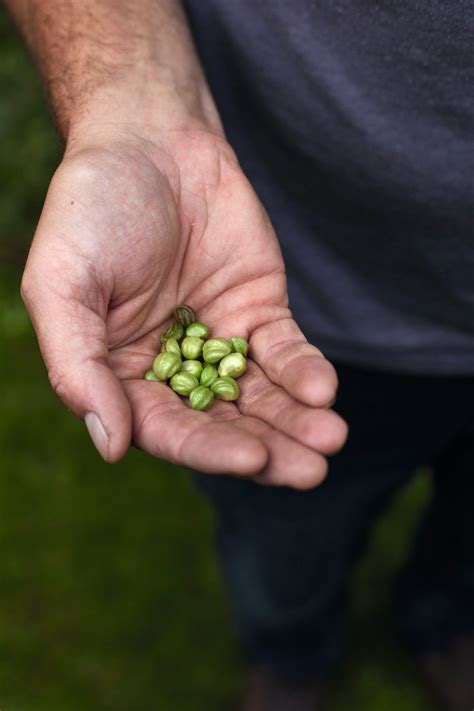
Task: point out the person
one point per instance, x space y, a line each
354 124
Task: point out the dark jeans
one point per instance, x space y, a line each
287 556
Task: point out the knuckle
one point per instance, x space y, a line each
58 382
26 288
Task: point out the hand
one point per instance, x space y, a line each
132 227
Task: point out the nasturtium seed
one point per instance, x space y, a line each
196 366
185 315
201 398
175 331
208 375
150 375
240 345
225 388
234 365
215 349
171 345
166 365
201 330
191 347
192 366
183 383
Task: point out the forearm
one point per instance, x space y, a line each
116 61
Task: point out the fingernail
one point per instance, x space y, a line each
97 433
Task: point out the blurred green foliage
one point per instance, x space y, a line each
29 147
109 593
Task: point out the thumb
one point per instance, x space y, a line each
73 341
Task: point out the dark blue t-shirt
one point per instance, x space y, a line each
354 120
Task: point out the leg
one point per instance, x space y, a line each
435 593
287 555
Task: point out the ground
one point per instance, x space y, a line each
109 592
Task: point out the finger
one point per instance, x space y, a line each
289 462
289 360
73 341
220 441
319 428
166 428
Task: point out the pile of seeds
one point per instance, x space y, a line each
196 366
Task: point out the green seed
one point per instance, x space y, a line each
184 383
185 315
191 347
201 398
208 375
175 331
225 388
233 365
172 346
215 349
240 345
150 375
192 366
201 330
166 365
180 361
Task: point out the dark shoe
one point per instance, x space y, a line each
269 692
450 674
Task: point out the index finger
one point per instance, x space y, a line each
287 358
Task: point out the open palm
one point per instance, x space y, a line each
129 230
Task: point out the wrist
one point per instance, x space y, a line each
146 107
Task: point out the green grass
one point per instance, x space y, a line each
109 593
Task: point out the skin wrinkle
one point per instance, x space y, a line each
127 368
281 346
82 302
183 261
250 393
257 332
58 376
160 405
228 289
208 199
262 311
249 306
145 306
